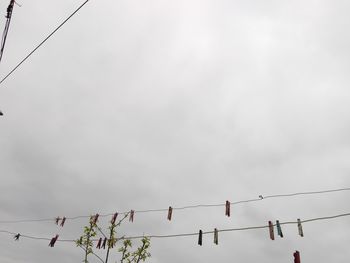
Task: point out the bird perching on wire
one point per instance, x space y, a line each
7 26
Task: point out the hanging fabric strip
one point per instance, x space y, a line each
57 220
227 208
279 229
272 235
200 237
170 213
216 236
296 257
300 228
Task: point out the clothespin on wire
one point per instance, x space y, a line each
279 229
16 237
261 197
95 219
300 228
111 243
216 236
227 208
296 256
170 213
114 217
104 243
99 243
272 235
57 220
53 241
63 221
200 237
131 218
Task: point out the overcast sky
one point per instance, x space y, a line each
145 104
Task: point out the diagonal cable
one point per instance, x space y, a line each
42 42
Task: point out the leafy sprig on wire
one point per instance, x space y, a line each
90 231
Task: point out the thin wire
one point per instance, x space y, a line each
194 233
25 221
100 230
42 42
92 253
242 228
308 193
184 207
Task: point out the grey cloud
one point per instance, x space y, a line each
146 104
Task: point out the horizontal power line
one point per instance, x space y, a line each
192 233
261 198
